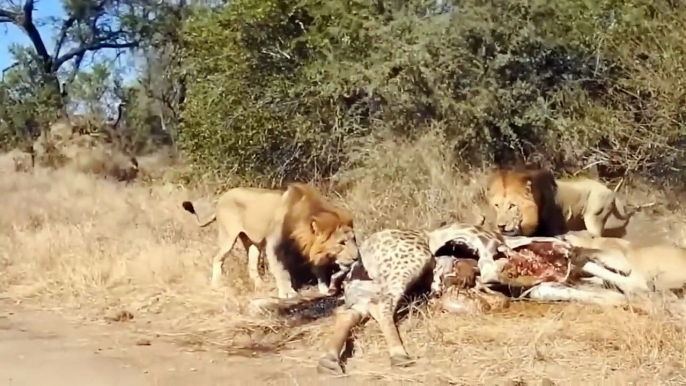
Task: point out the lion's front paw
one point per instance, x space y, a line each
323 288
330 365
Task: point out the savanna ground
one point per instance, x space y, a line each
349 96
91 250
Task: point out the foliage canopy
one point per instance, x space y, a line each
283 88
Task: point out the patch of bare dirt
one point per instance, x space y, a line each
40 348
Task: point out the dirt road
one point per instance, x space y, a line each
39 348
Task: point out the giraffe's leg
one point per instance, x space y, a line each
559 292
344 322
336 282
479 287
383 310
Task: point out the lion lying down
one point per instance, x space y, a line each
644 267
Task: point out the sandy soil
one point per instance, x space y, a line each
40 348
75 250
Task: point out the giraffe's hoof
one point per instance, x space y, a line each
401 360
329 365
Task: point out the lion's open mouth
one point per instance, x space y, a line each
534 263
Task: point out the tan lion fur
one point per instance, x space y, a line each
647 267
534 203
588 204
298 223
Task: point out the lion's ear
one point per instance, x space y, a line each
528 186
315 227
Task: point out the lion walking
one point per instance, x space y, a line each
296 223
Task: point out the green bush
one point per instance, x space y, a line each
25 108
283 89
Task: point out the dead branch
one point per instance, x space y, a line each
51 63
8 68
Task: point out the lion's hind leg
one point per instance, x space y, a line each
253 260
598 210
226 243
594 224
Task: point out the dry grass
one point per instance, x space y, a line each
90 248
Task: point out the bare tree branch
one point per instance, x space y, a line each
63 34
52 63
70 22
88 27
91 47
74 71
9 68
25 21
10 16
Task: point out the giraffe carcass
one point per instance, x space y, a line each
541 268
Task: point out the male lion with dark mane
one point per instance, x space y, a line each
293 227
534 203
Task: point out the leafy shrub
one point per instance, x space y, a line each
283 88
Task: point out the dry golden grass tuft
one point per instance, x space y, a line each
92 248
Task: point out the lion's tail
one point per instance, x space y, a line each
188 206
624 212
620 210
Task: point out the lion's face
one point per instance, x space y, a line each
515 208
338 246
